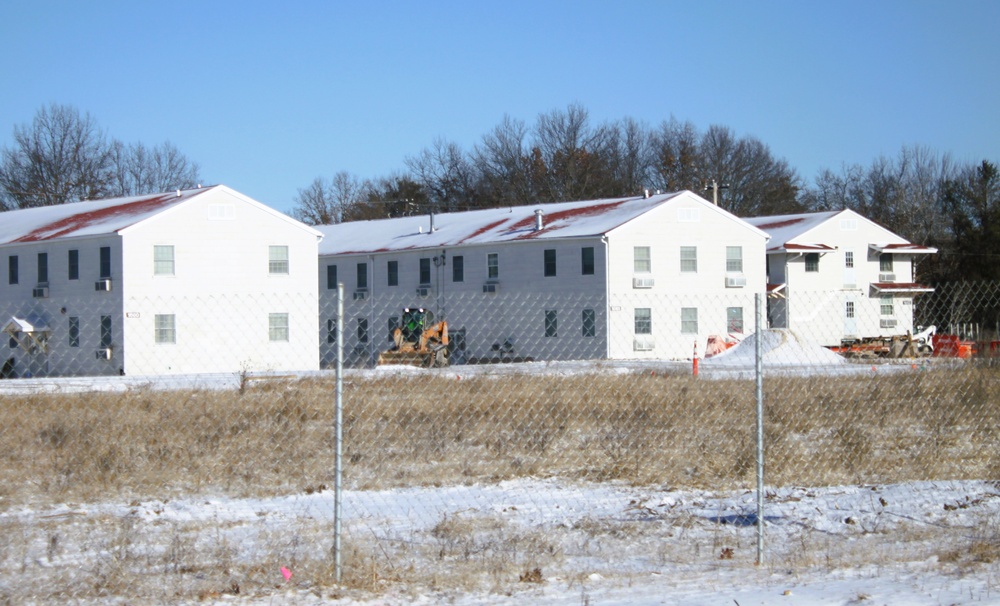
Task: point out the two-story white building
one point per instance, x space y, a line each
627 278
835 276
202 280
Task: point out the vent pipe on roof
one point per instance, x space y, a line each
645 194
178 193
538 219
431 230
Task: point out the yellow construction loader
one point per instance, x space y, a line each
418 341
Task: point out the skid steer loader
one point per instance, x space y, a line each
418 341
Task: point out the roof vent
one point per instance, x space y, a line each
645 194
178 193
538 219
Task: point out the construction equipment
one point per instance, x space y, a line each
418 340
918 345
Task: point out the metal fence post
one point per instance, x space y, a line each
339 431
759 373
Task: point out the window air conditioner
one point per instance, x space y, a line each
643 343
887 277
423 292
104 354
103 284
42 292
360 295
887 323
491 287
642 282
736 281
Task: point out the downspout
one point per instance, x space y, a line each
607 297
371 309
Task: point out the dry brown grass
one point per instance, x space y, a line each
278 438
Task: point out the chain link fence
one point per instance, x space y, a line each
570 438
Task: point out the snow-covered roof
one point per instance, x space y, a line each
90 218
783 229
559 220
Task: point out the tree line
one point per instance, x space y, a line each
929 198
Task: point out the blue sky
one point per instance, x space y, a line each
267 96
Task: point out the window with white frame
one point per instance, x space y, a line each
885 262
849 310
163 260
734 259
165 328
734 320
277 327
812 262
885 306
493 266
689 259
643 321
642 262
277 260
689 320
849 259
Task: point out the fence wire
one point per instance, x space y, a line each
569 436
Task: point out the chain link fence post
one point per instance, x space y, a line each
759 377
339 437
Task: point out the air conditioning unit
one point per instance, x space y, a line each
103 354
423 291
887 323
42 292
360 295
642 282
887 277
643 343
103 284
491 287
736 281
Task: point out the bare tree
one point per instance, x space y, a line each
446 175
576 156
325 202
677 158
141 170
60 157
504 165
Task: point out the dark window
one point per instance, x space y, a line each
74 331
425 271
589 323
551 323
363 330
43 267
362 275
392 325
392 272
458 269
331 331
12 269
331 277
105 332
587 255
812 262
74 265
885 262
105 262
550 262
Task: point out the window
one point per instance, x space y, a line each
458 269
12 269
689 259
589 323
641 260
550 262
812 262
331 277
885 262
885 306
164 328
392 325
493 266
425 271
643 321
106 332
849 259
734 320
331 330
734 259
587 260
689 320
392 273
277 328
277 260
105 262
74 265
43 268
74 331
163 260
363 330
551 323
849 310
362 275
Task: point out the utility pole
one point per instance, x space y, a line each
715 187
